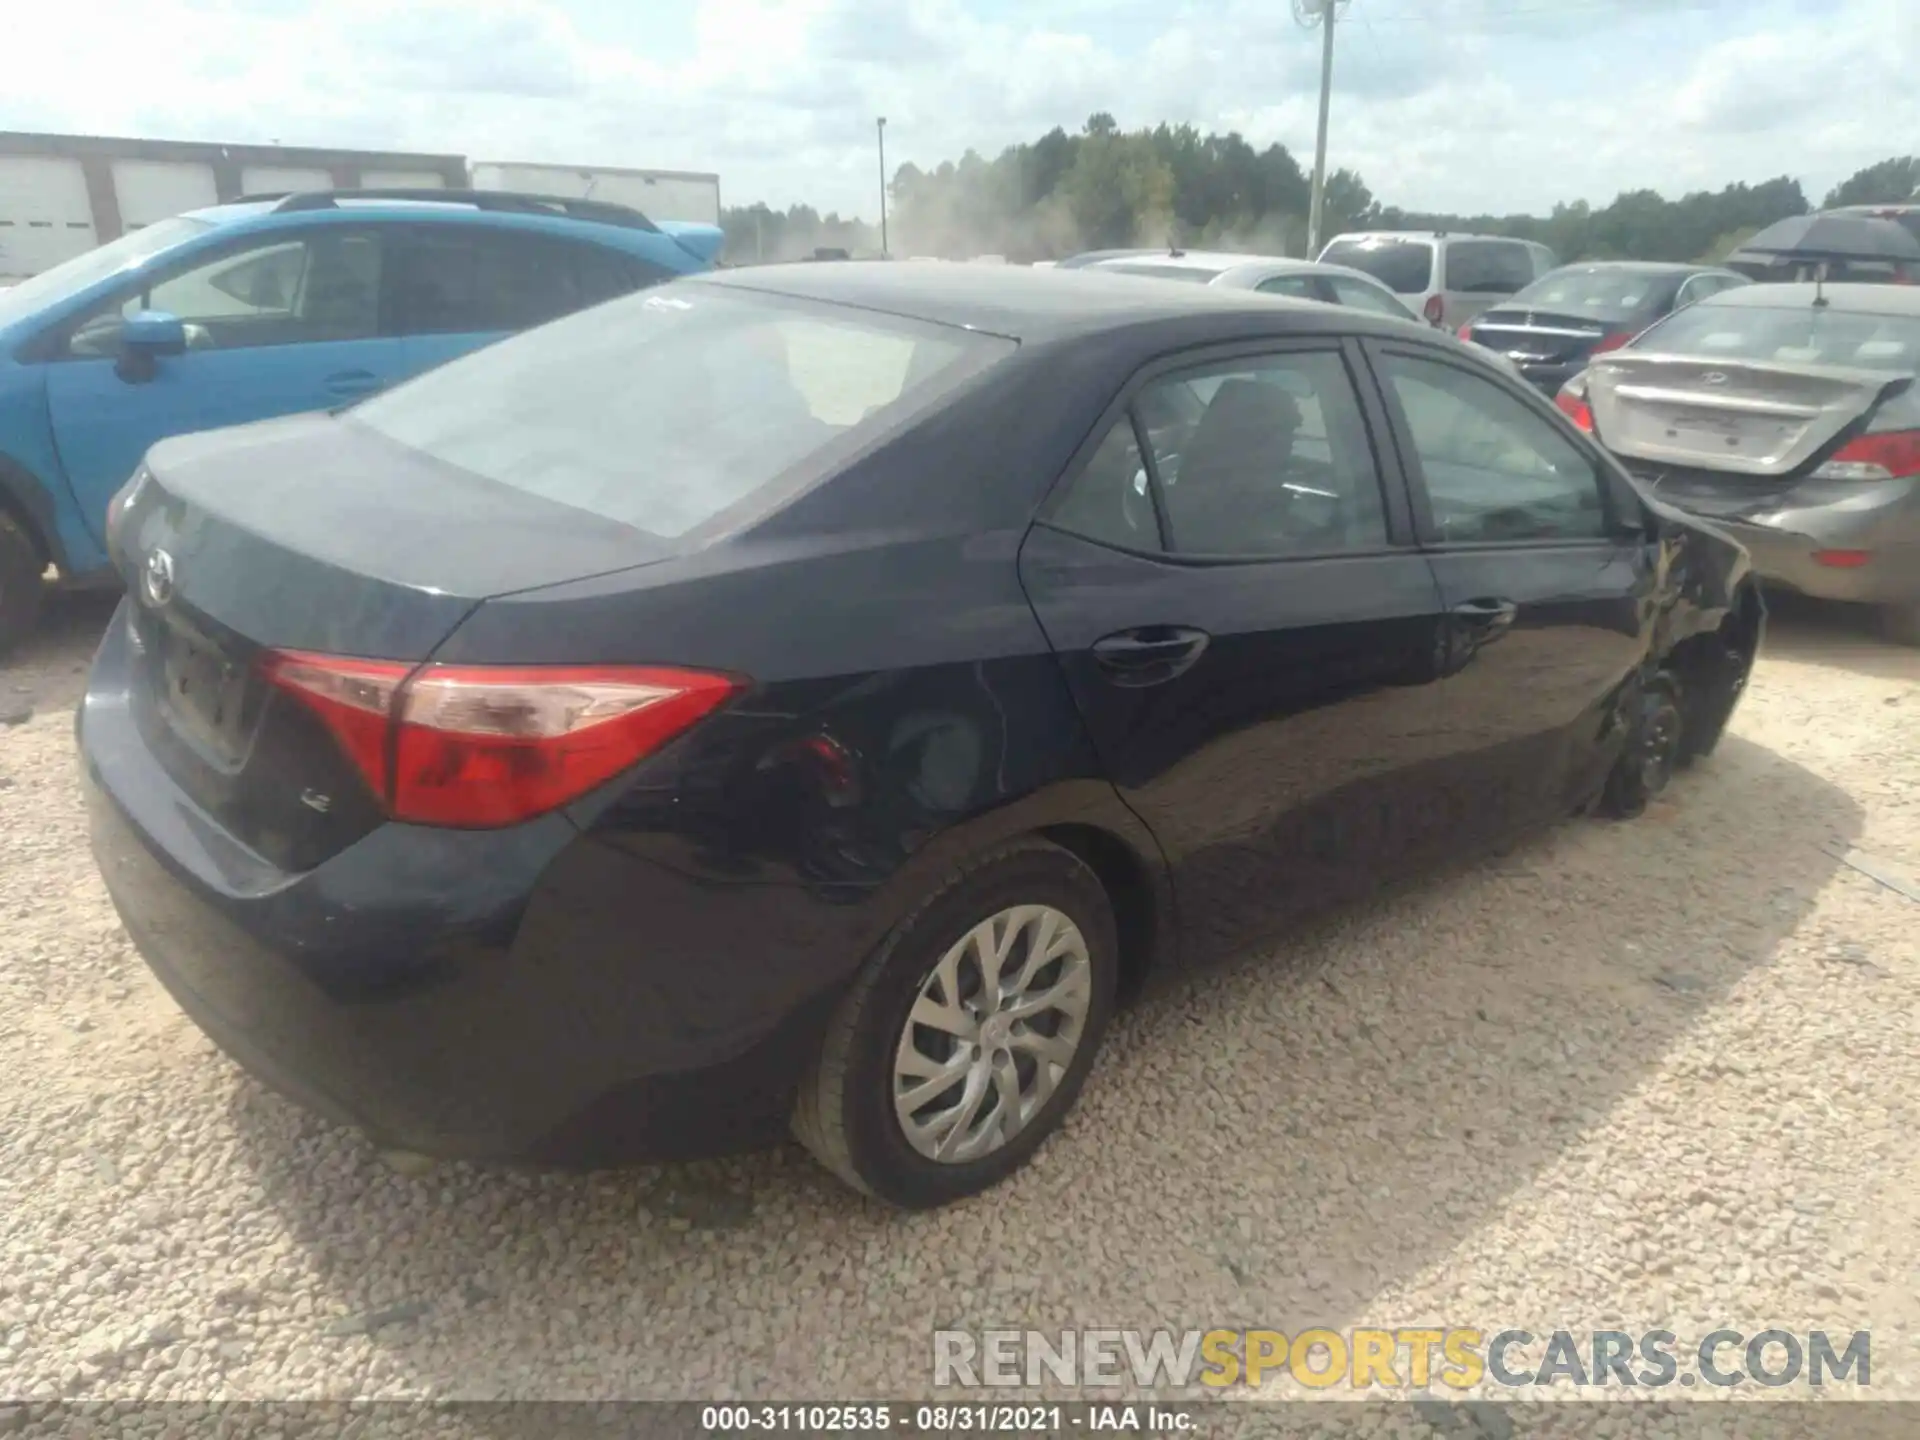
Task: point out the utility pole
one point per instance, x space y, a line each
880 131
1307 12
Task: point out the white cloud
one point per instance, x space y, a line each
1443 104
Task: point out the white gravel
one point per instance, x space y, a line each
1660 1073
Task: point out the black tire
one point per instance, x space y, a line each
22 591
1901 623
1656 741
844 1113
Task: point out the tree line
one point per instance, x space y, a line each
1173 185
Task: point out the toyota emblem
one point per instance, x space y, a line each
1715 377
156 578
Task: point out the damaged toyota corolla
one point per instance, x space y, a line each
812 697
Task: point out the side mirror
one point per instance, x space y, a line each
154 333
144 338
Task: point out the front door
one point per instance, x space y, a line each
1549 591
1250 637
283 324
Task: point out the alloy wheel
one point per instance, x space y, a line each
992 1032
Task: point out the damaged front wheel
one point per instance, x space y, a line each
1656 734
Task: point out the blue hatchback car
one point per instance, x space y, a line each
266 307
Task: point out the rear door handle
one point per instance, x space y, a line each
1487 614
1150 654
351 382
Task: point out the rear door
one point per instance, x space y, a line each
464 286
1228 579
278 324
1547 582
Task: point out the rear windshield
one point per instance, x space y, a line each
663 410
1600 293
1403 266
1198 275
1798 336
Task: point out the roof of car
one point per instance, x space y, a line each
1017 301
1642 267
1193 260
376 207
1427 235
1853 299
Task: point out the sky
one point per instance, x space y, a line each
1461 106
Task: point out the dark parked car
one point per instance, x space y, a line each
813 694
1789 416
1551 329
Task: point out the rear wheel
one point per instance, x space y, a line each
1656 738
969 1032
21 589
1901 623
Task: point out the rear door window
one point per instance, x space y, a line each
1488 267
1361 296
469 280
1403 266
1263 457
1294 287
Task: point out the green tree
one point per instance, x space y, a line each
1889 183
1178 184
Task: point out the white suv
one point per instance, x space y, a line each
1449 279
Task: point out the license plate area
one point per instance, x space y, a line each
208 699
1704 433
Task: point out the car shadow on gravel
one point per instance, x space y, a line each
1269 1144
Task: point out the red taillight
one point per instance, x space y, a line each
1465 332
1435 310
1612 342
1889 455
1576 409
1842 559
491 745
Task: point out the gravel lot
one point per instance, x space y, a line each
1656 1073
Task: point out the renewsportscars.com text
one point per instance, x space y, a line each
1411 1358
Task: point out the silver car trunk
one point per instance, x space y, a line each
1750 417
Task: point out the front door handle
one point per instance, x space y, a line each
1487 614
1150 654
348 383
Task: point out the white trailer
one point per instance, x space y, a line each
688 195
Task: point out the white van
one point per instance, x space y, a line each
1449 279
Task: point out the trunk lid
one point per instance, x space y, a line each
1538 336
240 542
1763 419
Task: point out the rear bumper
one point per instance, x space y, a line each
1882 520
531 994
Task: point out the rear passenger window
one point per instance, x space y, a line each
1295 287
1270 457
474 281
1488 267
1494 470
1359 295
1109 501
